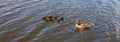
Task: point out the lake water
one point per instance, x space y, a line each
20 20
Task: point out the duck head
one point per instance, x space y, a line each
77 22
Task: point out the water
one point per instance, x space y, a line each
20 20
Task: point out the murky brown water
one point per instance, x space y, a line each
20 20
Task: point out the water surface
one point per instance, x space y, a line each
20 20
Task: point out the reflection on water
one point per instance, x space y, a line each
78 30
21 20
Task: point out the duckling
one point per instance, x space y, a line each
82 26
49 18
60 19
52 18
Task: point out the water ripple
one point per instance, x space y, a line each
20 20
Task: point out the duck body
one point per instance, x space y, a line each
82 25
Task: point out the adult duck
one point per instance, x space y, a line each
82 26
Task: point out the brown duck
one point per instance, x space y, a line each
82 26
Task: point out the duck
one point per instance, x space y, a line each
49 18
52 18
60 19
82 26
